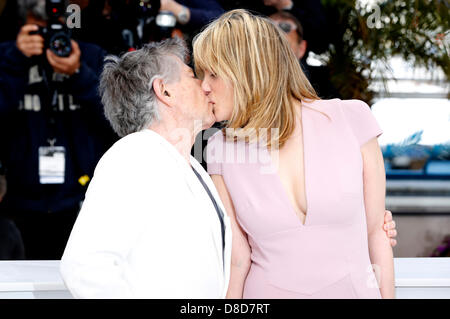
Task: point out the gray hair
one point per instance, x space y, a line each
126 84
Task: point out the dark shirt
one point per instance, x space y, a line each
320 79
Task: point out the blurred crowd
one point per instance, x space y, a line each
52 127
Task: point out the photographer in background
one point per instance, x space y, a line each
319 76
193 14
183 18
120 25
110 24
311 13
52 129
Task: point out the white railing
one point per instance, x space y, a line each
414 278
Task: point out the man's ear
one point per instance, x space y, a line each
162 92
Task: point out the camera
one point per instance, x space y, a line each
56 35
157 25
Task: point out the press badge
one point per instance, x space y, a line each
52 161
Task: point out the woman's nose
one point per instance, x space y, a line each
205 87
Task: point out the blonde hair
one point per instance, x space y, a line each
254 55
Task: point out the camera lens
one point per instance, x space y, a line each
60 44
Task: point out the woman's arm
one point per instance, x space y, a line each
240 250
380 250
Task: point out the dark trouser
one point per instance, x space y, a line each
45 235
11 245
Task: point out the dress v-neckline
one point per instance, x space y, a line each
281 186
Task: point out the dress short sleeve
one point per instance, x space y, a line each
361 120
215 154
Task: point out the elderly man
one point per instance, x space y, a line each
152 224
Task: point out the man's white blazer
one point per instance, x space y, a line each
147 227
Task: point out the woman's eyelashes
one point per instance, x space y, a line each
207 73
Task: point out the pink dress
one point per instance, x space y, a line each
328 256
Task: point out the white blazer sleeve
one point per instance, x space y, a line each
111 219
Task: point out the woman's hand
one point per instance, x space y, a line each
389 227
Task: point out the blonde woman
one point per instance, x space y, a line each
307 214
